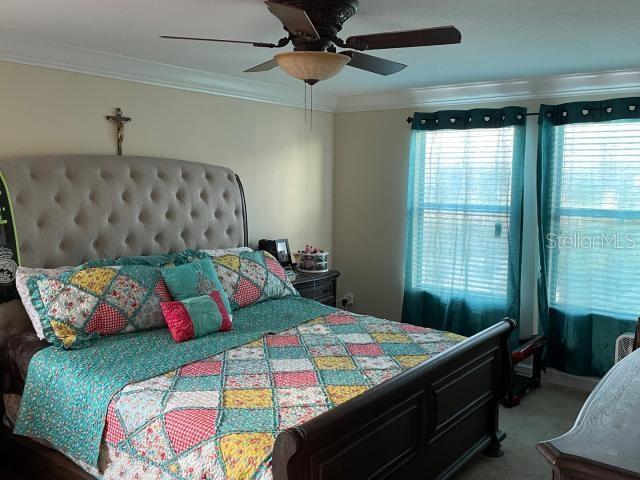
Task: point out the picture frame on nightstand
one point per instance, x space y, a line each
283 253
279 249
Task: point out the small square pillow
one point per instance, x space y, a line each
196 317
252 277
82 304
194 279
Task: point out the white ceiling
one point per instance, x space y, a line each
501 39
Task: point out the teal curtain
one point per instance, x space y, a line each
589 230
464 219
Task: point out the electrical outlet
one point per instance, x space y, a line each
347 299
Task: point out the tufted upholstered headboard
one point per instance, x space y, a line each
70 209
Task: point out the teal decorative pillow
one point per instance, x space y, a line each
194 279
247 277
84 303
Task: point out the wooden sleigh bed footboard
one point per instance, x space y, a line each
425 423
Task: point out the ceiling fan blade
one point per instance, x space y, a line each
255 44
295 20
424 37
263 67
373 64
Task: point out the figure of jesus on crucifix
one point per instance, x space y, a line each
120 121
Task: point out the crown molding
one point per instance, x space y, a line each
29 51
559 86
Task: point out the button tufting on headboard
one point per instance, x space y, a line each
71 208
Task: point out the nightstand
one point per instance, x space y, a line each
320 287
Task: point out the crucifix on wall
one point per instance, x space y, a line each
120 121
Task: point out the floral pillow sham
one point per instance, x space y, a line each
247 277
79 305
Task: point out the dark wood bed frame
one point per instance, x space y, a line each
425 423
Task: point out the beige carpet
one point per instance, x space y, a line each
544 414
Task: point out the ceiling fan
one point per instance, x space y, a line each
312 28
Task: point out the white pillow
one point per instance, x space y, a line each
22 275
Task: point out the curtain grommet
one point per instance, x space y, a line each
486 119
585 111
632 108
437 121
565 113
452 120
609 109
519 116
423 121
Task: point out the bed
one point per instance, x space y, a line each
425 419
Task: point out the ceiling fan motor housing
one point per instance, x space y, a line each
327 16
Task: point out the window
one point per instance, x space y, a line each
460 221
594 239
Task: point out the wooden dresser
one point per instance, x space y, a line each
604 443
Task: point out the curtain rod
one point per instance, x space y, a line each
410 119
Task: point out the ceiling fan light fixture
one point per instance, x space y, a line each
311 66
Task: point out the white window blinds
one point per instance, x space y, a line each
594 238
461 211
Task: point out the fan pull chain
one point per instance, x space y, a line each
311 109
305 103
310 106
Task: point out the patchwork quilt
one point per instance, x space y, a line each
67 392
217 418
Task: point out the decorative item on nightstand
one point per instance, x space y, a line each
313 260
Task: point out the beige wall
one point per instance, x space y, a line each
372 150
371 164
286 169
